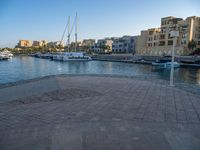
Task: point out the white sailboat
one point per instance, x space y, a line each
71 56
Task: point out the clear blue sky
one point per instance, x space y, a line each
46 19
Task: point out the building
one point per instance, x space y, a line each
141 44
75 45
24 44
125 44
41 43
88 42
37 44
190 30
103 46
157 41
55 44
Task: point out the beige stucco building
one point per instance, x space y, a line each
41 43
24 43
157 41
88 42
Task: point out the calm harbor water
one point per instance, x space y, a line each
24 67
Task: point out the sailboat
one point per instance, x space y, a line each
72 56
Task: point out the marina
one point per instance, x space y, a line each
26 67
100 75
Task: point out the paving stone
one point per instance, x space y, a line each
99 112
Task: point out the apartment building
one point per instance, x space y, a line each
157 41
55 44
24 44
103 46
41 43
88 42
37 44
125 44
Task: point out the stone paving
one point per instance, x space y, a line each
98 112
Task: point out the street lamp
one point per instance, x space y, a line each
173 34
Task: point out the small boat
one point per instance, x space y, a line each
5 55
46 56
38 55
188 61
165 64
169 64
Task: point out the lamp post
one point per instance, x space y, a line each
173 34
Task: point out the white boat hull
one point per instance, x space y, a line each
71 56
5 55
166 65
65 58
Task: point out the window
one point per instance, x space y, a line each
162 37
169 36
162 43
170 42
150 32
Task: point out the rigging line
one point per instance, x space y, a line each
68 40
63 34
73 26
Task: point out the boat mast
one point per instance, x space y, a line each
63 35
68 40
76 32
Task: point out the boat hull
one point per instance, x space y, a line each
166 65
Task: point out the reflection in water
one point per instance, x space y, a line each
24 67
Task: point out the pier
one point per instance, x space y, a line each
86 112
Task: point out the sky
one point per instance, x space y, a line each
46 19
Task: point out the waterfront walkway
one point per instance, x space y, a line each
98 113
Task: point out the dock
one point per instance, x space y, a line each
147 60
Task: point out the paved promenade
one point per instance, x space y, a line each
98 113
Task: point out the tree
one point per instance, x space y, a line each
104 47
192 44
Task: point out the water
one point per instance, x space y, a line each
24 67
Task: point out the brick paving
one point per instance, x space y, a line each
98 112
